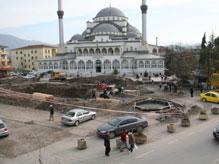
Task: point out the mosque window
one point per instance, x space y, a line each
89 65
116 65
16 52
154 51
50 66
107 65
85 51
73 65
65 65
153 64
147 64
81 66
56 66
125 64
35 51
133 64
160 64
21 52
45 66
141 64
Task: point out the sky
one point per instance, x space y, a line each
172 21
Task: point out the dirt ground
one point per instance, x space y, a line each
30 129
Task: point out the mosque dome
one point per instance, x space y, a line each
133 32
105 27
110 11
77 37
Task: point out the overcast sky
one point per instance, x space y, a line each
172 21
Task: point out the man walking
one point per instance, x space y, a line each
123 137
131 141
51 111
107 144
191 92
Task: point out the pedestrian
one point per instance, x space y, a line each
107 144
191 92
51 111
123 137
131 141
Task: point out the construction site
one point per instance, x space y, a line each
24 107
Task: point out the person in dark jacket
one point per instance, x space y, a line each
191 92
107 144
51 113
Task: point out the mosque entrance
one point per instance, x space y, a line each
98 66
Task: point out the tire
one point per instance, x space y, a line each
77 123
112 135
140 129
204 100
93 117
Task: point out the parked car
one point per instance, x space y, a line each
77 116
210 96
3 129
116 125
216 132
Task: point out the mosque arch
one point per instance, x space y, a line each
133 64
117 51
153 64
73 65
116 65
154 51
65 65
91 51
125 64
104 51
110 51
79 51
97 51
85 51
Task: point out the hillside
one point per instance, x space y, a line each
13 42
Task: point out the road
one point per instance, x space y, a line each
193 145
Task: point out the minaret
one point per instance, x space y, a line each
144 9
60 13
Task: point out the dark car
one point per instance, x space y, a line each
216 132
116 125
3 129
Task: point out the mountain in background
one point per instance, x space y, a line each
13 42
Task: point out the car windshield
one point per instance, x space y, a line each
70 114
2 126
114 121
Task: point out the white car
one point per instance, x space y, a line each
3 129
77 116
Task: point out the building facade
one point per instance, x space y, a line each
109 44
24 58
4 61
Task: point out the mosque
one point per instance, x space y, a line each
109 45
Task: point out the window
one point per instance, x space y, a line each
17 58
56 66
125 64
28 55
73 65
16 52
141 64
50 66
132 120
116 65
107 65
147 64
35 51
21 52
153 64
79 114
81 66
124 122
160 64
89 65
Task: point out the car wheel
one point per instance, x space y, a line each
93 117
140 129
204 100
76 123
112 135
